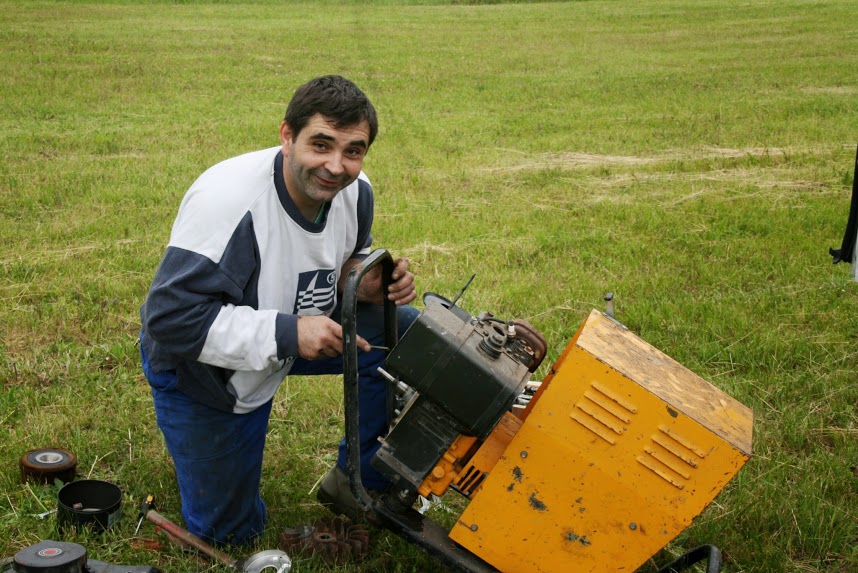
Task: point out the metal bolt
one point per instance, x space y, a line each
523 454
474 527
387 375
633 526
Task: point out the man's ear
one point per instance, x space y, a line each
285 137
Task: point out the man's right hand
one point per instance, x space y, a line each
321 337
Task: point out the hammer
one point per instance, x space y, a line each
275 558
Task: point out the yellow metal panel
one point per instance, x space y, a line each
674 384
622 449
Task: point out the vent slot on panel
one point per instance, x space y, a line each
470 481
671 457
603 413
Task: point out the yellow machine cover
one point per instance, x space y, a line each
621 449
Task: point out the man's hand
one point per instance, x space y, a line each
401 290
321 337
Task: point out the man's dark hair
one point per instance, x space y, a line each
334 97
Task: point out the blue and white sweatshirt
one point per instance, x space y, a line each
241 266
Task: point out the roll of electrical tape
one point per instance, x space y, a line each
44 465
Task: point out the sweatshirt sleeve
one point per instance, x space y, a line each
203 310
365 213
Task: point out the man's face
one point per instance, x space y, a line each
322 160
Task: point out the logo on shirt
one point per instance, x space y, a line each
317 292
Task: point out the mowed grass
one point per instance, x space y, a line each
693 157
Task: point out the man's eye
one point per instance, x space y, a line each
320 146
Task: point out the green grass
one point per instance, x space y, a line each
693 157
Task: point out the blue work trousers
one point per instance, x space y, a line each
218 455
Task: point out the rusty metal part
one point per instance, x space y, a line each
534 339
337 541
44 465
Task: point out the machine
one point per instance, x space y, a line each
612 457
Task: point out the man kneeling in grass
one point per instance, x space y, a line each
246 294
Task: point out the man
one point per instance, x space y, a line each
247 293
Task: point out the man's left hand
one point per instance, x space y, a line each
401 290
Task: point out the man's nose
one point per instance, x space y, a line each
335 164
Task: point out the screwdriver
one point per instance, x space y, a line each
148 504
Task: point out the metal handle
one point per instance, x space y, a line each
189 538
350 359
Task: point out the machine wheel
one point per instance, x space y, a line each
45 465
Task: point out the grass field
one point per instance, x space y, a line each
695 157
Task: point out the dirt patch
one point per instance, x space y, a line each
831 90
763 178
573 160
579 160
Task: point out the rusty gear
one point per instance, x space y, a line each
336 540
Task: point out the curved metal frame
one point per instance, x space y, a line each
350 360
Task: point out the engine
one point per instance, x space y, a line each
459 376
